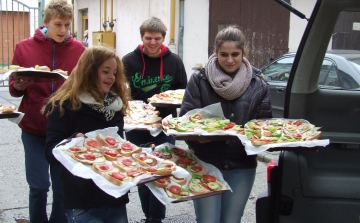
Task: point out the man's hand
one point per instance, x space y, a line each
21 84
79 135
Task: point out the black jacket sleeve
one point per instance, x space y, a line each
192 96
57 130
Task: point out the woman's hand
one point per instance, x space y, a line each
21 84
80 135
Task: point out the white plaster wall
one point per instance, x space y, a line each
196 32
298 25
128 14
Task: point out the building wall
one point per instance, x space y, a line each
128 14
196 34
298 25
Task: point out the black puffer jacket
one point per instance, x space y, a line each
80 193
254 103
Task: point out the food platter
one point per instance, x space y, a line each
206 137
10 115
200 196
167 105
38 76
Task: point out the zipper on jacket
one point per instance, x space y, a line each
53 65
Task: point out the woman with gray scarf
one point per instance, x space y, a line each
228 78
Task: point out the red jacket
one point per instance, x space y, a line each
42 51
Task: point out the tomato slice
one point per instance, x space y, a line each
175 189
104 167
118 176
110 141
93 143
132 172
204 186
185 160
209 178
152 169
156 154
158 96
165 95
229 126
127 162
112 152
162 180
127 146
196 168
74 149
89 156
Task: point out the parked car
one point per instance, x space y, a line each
340 70
319 184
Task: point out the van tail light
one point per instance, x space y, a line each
270 165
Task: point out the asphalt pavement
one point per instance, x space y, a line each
14 189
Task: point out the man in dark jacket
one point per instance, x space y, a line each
51 46
152 69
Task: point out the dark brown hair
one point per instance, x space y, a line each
231 34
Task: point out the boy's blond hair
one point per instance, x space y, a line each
153 24
59 8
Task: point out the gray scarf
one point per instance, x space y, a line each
112 104
223 84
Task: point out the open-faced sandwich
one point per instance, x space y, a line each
213 183
125 164
177 192
75 149
196 169
162 183
134 173
144 160
196 187
127 148
108 141
88 158
92 145
101 167
111 154
7 108
181 181
117 178
164 168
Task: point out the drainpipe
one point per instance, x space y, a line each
181 29
172 45
72 21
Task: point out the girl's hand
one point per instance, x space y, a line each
80 135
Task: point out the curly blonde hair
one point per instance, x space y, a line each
84 78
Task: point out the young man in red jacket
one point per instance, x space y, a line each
152 69
52 46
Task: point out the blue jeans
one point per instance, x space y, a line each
37 176
227 207
153 209
97 215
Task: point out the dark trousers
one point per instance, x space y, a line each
153 209
37 176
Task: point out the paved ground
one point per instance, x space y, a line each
14 189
